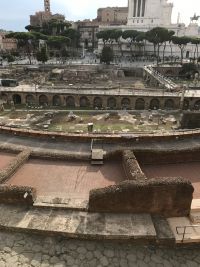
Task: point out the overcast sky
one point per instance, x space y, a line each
14 14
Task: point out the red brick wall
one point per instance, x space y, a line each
17 195
170 197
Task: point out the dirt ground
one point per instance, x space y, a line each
104 122
5 158
66 178
189 171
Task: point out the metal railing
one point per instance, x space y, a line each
184 228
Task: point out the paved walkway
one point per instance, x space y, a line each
76 224
22 250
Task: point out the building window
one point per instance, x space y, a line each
142 21
152 21
138 21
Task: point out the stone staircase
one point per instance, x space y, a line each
195 211
97 157
187 229
66 203
97 152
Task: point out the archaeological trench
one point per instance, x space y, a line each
141 191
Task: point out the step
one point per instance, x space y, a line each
78 224
195 205
195 217
79 204
97 162
97 154
192 231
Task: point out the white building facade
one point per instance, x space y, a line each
144 15
149 13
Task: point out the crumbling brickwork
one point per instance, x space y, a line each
170 197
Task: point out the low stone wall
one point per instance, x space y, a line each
14 165
131 166
17 195
105 138
170 197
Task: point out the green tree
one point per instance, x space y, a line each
130 37
54 27
141 40
167 38
157 36
116 35
42 55
73 35
64 54
105 36
24 42
58 42
28 42
182 43
107 55
10 58
189 69
196 41
33 28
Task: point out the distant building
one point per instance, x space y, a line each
105 16
44 16
7 44
144 15
88 30
39 18
113 15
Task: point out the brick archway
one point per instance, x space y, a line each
140 104
56 100
43 100
154 104
17 99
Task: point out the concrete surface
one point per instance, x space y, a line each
74 224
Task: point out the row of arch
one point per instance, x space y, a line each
84 102
97 102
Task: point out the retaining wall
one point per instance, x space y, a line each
113 138
131 166
170 197
17 195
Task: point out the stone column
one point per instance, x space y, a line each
77 101
162 103
23 99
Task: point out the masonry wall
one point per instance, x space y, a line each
131 166
17 195
190 120
170 197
